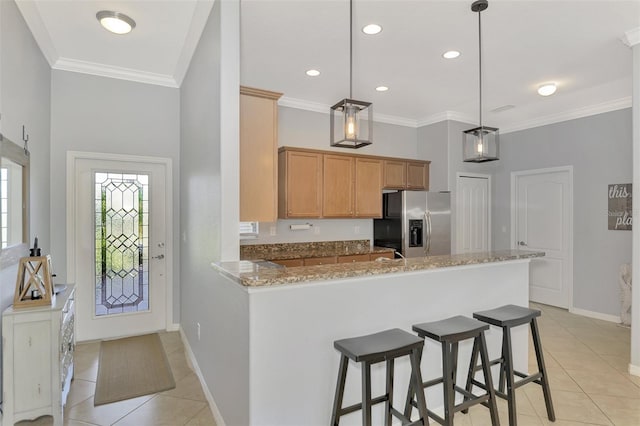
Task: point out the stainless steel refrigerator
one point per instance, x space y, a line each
415 223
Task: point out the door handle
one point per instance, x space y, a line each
522 243
159 257
427 216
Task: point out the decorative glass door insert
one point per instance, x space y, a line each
121 243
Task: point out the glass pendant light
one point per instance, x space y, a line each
351 120
480 144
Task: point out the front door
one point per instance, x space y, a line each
543 222
120 257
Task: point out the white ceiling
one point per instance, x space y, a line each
577 44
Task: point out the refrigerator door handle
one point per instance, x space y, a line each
427 248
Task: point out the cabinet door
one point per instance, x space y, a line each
258 155
311 261
386 255
301 194
32 365
418 175
289 262
368 188
352 258
337 188
395 174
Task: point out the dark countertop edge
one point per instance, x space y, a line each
307 254
307 274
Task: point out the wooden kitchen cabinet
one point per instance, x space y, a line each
311 261
258 155
289 262
386 255
368 187
354 258
299 184
338 186
395 174
418 175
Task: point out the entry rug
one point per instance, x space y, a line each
132 367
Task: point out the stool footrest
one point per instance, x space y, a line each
433 382
358 406
526 379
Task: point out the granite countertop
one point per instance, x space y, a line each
253 273
287 251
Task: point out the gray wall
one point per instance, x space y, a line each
97 114
308 129
201 205
599 149
26 100
433 145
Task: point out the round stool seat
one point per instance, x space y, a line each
451 329
378 346
507 315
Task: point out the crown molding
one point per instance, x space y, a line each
445 116
288 102
73 65
199 20
601 108
632 37
31 15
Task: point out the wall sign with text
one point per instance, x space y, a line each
620 207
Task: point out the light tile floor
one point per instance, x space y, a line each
185 405
586 359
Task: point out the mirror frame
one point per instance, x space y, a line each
18 155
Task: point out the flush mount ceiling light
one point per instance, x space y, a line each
547 89
313 73
371 29
116 22
480 144
451 54
382 88
346 127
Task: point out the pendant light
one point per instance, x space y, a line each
480 144
351 120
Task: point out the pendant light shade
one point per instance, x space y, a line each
351 121
481 143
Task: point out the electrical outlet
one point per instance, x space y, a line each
272 230
316 229
198 330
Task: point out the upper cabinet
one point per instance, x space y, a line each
327 184
299 184
258 155
406 174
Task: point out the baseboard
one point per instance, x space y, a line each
595 315
217 416
173 327
634 370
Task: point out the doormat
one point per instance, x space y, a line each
132 367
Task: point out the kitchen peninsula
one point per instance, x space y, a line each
276 362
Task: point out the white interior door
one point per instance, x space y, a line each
119 255
542 221
473 217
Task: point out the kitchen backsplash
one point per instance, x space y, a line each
272 251
320 230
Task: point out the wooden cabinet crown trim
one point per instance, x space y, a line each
348 154
252 91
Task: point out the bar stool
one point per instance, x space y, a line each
506 317
372 349
450 332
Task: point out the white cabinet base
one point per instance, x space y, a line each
37 359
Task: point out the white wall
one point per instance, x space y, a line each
600 150
206 133
98 114
25 87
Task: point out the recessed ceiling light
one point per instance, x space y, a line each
451 54
547 89
382 88
313 73
371 29
116 22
